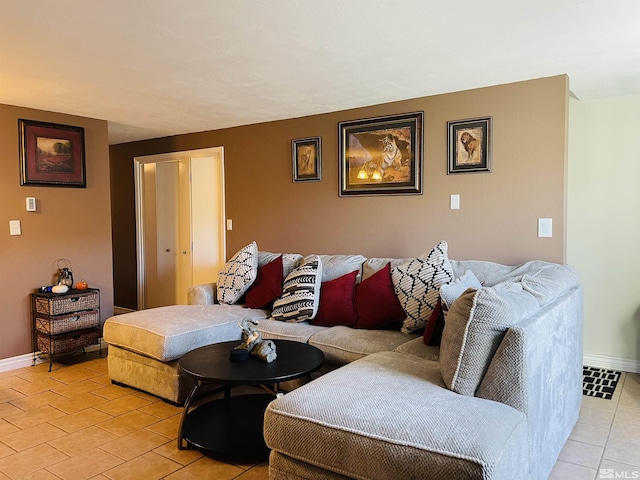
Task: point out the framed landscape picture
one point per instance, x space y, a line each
381 156
307 159
469 145
51 154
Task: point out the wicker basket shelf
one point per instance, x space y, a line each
75 301
66 342
67 323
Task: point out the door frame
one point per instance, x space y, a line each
138 163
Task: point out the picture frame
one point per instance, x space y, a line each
51 154
469 146
382 155
307 159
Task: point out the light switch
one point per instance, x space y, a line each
31 204
545 227
229 224
455 202
14 227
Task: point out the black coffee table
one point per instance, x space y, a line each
232 426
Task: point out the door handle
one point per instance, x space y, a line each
184 252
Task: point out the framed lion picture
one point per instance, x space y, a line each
469 145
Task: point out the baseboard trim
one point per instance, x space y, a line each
26 360
121 310
611 363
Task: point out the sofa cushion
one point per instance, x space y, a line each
337 301
417 284
373 265
289 260
296 332
300 292
167 333
334 266
376 302
476 324
561 278
237 275
267 286
342 344
417 348
388 415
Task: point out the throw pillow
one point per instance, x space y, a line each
450 292
376 301
267 287
300 293
237 275
435 325
337 302
476 323
417 284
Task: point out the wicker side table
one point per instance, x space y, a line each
64 323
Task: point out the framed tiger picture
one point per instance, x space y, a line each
381 156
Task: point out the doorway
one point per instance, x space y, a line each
180 223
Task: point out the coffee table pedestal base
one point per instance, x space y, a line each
230 427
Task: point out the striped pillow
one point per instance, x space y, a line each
300 292
417 284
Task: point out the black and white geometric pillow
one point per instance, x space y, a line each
237 275
300 293
417 285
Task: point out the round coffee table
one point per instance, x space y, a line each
232 426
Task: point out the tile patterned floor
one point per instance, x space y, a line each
72 424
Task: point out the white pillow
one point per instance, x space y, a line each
451 291
237 275
300 292
417 285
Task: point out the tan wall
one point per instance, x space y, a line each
73 223
604 227
499 211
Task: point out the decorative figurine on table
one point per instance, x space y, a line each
252 343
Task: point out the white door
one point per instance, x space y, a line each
180 208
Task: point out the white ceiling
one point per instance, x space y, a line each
154 68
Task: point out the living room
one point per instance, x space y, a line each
554 156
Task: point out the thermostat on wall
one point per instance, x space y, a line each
31 204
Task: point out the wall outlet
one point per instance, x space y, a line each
14 227
545 227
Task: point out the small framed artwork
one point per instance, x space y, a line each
381 156
51 154
469 145
307 159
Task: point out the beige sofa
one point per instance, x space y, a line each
497 399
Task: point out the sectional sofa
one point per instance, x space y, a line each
496 399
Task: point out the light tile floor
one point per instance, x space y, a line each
73 424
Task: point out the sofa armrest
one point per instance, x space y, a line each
204 294
538 370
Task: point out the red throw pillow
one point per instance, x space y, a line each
267 286
435 325
337 305
376 302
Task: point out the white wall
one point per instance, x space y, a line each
603 226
